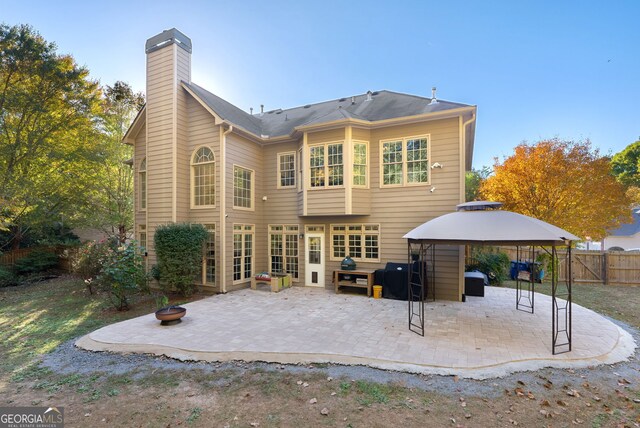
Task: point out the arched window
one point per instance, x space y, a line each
142 174
203 181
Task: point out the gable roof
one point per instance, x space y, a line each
629 229
382 105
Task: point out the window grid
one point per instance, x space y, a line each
392 162
359 241
405 162
326 166
334 163
203 178
242 187
316 168
286 169
417 162
210 255
242 251
359 164
284 249
143 184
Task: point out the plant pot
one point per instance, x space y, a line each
170 315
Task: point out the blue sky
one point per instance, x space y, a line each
535 69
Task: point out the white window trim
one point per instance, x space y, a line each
211 227
192 178
284 232
367 165
253 250
326 165
253 189
404 160
146 187
346 241
295 171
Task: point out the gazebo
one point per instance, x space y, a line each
482 223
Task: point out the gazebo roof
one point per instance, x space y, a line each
475 225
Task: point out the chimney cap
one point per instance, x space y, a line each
166 38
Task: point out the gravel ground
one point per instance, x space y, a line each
67 359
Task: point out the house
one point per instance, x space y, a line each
298 189
626 236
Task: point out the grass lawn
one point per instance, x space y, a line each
35 319
621 302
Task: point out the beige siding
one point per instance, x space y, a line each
139 153
247 154
361 201
360 134
325 202
399 210
325 136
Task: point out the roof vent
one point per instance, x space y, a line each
342 100
353 100
369 98
307 106
261 109
375 93
478 206
434 100
251 111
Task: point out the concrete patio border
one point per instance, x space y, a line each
272 328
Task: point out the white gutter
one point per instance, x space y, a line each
223 210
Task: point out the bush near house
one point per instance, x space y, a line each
40 260
179 252
494 264
7 277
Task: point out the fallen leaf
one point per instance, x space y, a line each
333 393
636 400
324 411
573 393
519 392
467 416
463 404
530 396
313 401
577 421
255 424
561 403
546 414
520 383
453 421
329 379
461 398
299 382
597 398
545 403
305 384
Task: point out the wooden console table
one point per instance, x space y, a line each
340 281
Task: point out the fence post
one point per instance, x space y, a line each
605 268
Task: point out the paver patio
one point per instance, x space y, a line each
483 337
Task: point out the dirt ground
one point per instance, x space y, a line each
103 389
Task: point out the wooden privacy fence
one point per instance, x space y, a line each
65 254
611 267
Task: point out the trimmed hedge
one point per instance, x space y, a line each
179 251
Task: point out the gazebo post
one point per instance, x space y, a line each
564 312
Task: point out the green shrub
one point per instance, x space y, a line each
179 252
89 260
37 261
7 277
494 264
123 275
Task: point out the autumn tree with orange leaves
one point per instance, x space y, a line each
565 183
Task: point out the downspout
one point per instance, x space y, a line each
223 209
463 168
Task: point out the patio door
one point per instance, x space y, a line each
314 259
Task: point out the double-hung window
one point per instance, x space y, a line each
209 259
242 188
326 166
405 161
283 249
359 241
286 170
142 182
360 171
243 238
